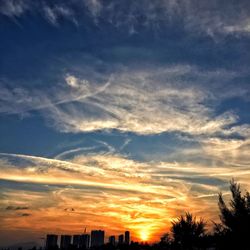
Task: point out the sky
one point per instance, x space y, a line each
120 115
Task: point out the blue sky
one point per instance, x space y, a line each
131 95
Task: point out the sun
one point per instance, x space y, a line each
144 235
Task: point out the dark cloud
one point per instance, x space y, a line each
17 208
25 214
69 209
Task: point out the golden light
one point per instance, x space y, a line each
144 235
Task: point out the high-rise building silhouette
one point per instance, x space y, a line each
51 241
127 237
120 239
97 238
84 241
65 241
76 240
112 240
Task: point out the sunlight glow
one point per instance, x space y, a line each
144 235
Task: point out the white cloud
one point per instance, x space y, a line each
148 101
19 100
145 102
75 82
53 14
210 17
231 152
50 15
14 8
72 81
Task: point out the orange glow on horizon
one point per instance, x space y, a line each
144 235
68 195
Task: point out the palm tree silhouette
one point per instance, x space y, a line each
187 232
235 219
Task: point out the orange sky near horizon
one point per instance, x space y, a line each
113 194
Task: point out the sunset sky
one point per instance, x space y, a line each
120 114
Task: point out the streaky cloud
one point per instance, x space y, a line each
230 18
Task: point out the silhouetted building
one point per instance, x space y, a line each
97 238
84 241
65 241
76 240
51 241
127 237
120 239
112 240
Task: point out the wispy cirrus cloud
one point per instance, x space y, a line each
55 13
212 18
140 195
231 152
20 100
149 101
148 121
14 8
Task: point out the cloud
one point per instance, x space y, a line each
67 153
114 191
231 152
57 12
53 13
72 81
212 18
20 100
16 208
96 185
25 214
95 7
147 102
69 209
174 98
14 7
